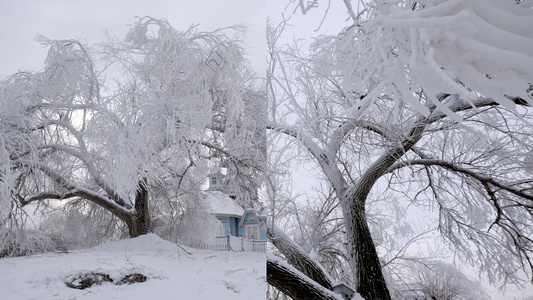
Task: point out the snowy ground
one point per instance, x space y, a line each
171 273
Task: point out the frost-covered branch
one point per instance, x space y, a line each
326 159
299 259
338 136
466 171
460 105
47 195
293 283
89 165
116 208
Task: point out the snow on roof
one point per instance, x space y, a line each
220 203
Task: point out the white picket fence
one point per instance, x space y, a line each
233 243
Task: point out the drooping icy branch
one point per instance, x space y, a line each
466 171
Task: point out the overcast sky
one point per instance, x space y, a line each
22 20
326 19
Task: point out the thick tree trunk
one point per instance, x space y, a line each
295 284
367 272
139 223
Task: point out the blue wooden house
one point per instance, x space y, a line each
247 221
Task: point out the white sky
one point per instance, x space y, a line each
299 26
320 20
22 20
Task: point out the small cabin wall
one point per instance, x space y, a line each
241 231
231 223
250 220
238 227
236 220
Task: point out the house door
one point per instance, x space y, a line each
252 232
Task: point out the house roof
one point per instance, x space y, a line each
244 217
221 204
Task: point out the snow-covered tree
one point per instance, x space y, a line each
429 99
130 126
439 280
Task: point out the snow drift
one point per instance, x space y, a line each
171 273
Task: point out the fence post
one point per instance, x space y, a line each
228 243
242 243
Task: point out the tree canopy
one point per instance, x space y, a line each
131 125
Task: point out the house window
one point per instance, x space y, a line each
252 232
213 180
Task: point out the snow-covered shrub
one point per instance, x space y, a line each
196 226
435 280
81 225
194 231
21 242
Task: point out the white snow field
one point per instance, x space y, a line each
171 273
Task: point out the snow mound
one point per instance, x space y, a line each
144 243
171 273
